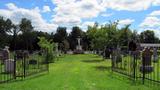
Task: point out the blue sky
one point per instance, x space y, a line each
47 15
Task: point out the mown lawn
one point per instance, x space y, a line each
78 72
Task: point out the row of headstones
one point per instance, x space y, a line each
9 62
146 58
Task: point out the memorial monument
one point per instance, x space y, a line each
79 49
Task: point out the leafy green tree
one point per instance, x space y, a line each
124 35
105 36
14 39
60 35
26 28
49 47
25 25
148 36
5 27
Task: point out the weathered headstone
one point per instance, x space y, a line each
118 55
155 55
8 63
9 66
6 53
146 61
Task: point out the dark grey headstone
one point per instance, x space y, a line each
146 61
155 55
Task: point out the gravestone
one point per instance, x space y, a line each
146 61
107 53
9 66
118 55
1 56
155 55
6 53
8 63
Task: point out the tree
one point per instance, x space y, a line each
105 36
60 37
49 47
124 35
5 27
15 32
26 28
25 25
2 26
8 25
148 36
75 33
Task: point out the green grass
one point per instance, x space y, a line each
77 72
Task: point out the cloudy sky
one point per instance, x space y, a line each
47 15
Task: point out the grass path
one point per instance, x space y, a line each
77 72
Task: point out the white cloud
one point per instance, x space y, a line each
129 5
84 25
73 11
11 6
156 2
16 14
150 22
126 21
106 14
70 12
155 13
88 23
46 9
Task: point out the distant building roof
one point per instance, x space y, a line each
149 45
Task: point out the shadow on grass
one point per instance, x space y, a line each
92 61
103 68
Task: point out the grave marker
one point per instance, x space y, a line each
146 61
155 55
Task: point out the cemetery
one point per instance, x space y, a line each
135 65
79 44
